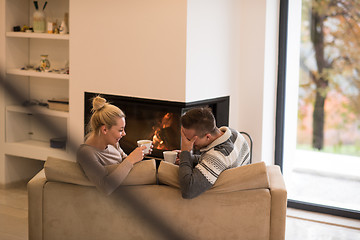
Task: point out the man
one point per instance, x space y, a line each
220 149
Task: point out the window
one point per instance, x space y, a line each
318 122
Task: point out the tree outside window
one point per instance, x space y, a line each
329 89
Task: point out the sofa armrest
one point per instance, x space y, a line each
278 203
35 205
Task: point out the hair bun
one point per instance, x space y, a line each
98 103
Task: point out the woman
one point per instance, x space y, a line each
101 150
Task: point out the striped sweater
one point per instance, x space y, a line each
198 173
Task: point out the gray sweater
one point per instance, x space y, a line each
98 166
198 173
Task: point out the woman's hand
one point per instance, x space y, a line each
137 155
150 150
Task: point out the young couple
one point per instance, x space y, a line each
219 149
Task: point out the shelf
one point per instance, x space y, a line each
34 149
37 110
23 131
33 73
38 35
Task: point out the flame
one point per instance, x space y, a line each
165 122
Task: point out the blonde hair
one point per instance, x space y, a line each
103 113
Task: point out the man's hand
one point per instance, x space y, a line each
186 144
177 161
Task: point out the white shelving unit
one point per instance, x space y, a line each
38 35
33 149
27 139
29 136
33 73
37 110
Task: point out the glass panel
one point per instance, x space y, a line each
322 110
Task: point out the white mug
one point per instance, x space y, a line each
146 143
170 156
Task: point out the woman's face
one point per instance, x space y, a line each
116 132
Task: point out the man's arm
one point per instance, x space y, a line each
192 181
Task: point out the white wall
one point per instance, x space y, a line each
251 71
135 48
210 45
253 109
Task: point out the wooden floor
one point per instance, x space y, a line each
300 225
13 213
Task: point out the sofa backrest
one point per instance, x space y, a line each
253 176
59 170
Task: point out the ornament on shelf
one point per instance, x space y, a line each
39 23
63 28
44 63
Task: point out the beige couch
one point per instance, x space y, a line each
248 202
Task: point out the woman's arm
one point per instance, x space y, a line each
104 179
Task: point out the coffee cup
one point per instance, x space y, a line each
170 156
146 143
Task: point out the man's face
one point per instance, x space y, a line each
200 142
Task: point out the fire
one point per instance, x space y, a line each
161 132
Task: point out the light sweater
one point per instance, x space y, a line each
98 166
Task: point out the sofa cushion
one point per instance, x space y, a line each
60 170
253 176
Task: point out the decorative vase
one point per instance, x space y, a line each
63 28
39 23
44 63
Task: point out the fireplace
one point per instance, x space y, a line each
156 120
